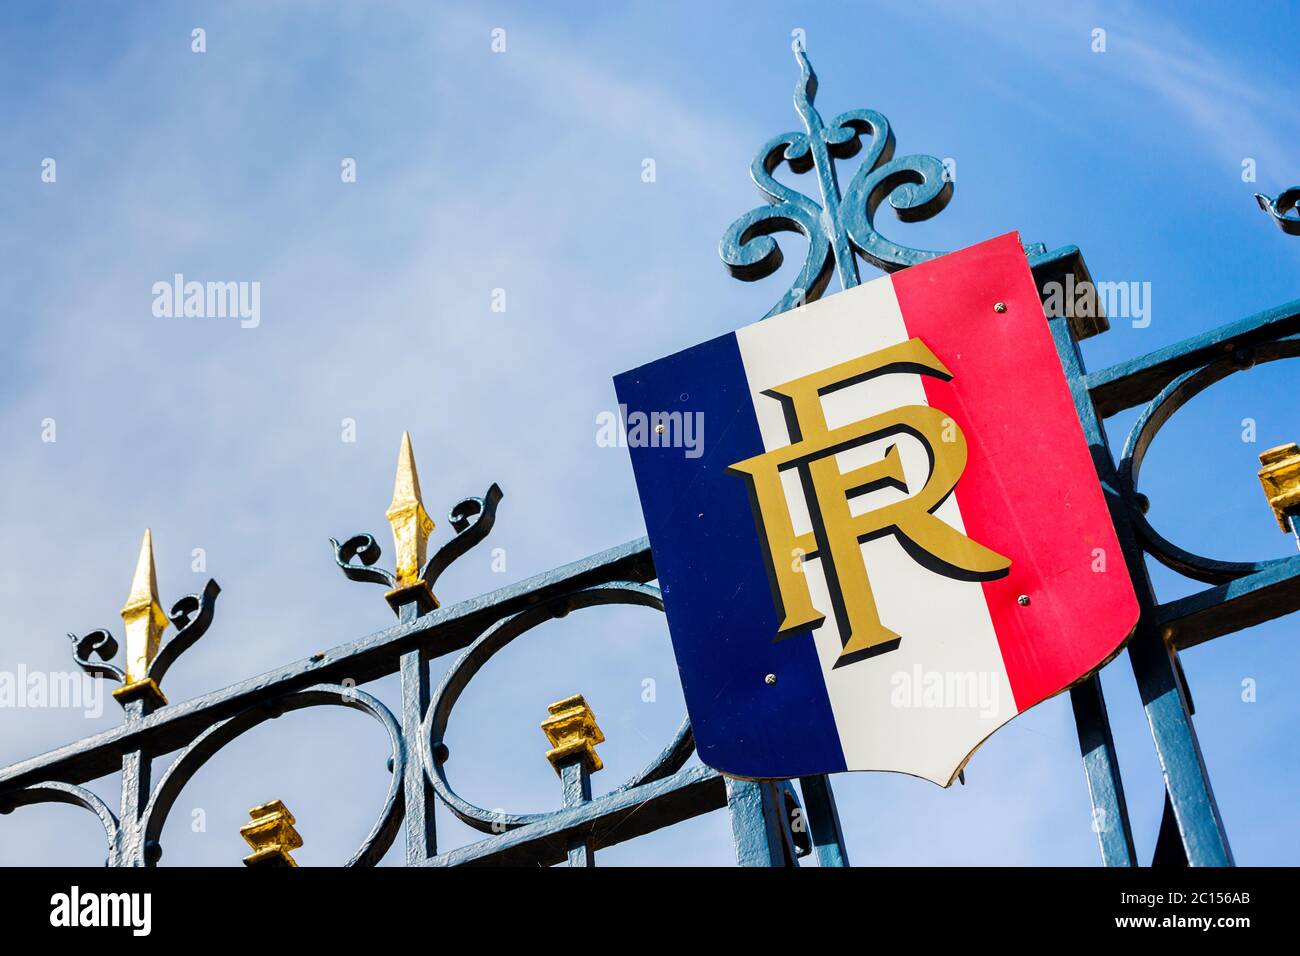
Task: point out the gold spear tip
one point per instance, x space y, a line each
144 621
406 488
410 522
144 585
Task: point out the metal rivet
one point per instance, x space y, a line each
1143 502
769 679
999 307
1023 600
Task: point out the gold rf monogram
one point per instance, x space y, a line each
837 533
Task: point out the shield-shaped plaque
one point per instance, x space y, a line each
876 523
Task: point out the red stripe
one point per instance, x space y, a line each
1029 490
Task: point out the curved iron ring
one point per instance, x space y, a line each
194 756
1160 409
668 762
56 791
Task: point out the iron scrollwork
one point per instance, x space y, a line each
192 615
188 762
56 791
1153 417
148 657
434 752
1288 201
838 229
917 188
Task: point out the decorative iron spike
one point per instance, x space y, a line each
144 621
842 225
271 834
1280 478
411 527
572 729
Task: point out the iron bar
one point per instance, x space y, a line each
440 632
1187 781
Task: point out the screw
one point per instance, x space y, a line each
999 307
770 679
659 429
1023 600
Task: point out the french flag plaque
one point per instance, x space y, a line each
888 539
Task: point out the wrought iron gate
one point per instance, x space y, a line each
839 229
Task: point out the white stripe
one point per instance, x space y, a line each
885 718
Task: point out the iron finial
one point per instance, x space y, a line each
410 583
271 834
572 729
147 658
841 226
805 90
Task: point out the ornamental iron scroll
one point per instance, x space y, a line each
840 227
413 577
669 790
665 792
147 657
1284 208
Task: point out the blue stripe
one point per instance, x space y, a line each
711 568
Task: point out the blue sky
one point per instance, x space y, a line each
521 171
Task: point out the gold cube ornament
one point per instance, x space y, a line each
1280 477
572 729
271 834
